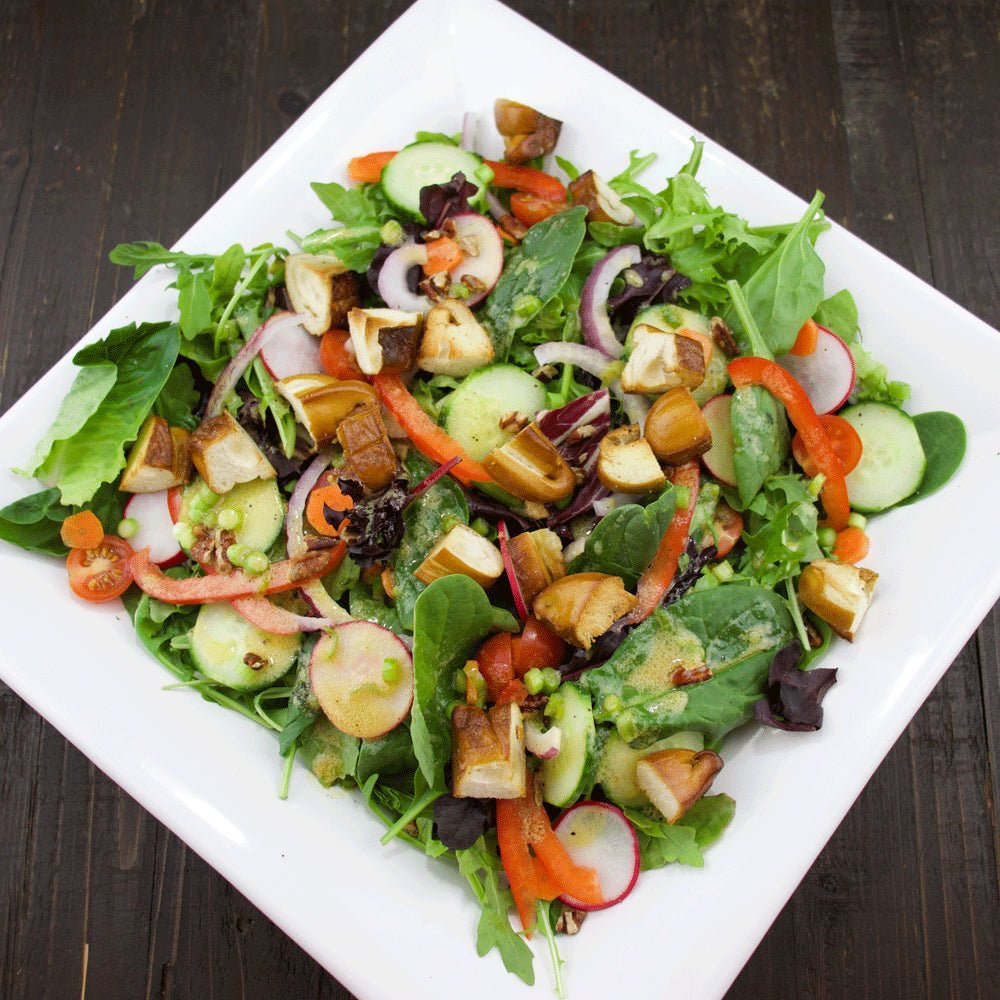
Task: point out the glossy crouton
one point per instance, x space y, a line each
225 455
838 593
158 460
454 342
487 752
662 361
321 288
537 557
385 340
625 462
583 606
463 551
674 779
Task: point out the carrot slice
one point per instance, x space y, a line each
368 169
805 342
82 530
851 546
442 255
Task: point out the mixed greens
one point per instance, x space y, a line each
503 499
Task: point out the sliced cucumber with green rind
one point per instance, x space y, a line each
616 767
892 457
570 773
426 163
258 503
472 413
222 641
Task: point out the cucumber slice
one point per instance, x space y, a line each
570 773
616 768
426 163
221 641
472 413
259 503
892 458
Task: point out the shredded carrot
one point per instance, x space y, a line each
326 496
805 342
82 530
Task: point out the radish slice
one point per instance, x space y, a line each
587 359
594 318
152 512
175 497
362 676
392 279
719 458
268 617
269 329
483 246
295 352
294 528
599 836
508 564
441 470
826 375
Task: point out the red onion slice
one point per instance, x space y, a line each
294 528
392 279
586 358
508 564
226 382
469 122
594 300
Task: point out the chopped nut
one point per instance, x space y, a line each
690 675
723 337
546 373
582 433
388 584
570 921
513 228
210 547
256 662
514 421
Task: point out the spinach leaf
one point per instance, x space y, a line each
480 864
624 543
839 313
450 618
534 273
425 520
735 630
79 456
330 754
178 400
388 755
760 438
787 287
363 604
943 437
33 523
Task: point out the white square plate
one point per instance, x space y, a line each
385 921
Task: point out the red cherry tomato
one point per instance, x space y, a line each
844 439
101 573
496 664
536 646
728 524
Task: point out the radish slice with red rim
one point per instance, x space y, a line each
508 564
268 330
294 352
441 470
154 515
393 279
826 375
594 319
719 458
483 261
599 835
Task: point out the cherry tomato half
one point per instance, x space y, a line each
101 573
496 664
844 439
536 646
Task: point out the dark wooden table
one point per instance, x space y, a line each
126 120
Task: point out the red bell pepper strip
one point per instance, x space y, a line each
424 433
655 582
286 575
526 179
518 864
791 395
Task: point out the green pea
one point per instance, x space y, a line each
551 679
256 563
392 670
128 528
230 519
534 681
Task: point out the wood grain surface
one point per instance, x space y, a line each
126 120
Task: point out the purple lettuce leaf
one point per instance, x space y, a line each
660 283
792 701
439 202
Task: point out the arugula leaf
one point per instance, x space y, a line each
787 287
349 206
480 864
624 543
194 303
703 824
330 754
450 618
93 453
534 273
146 254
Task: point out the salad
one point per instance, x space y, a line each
504 499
